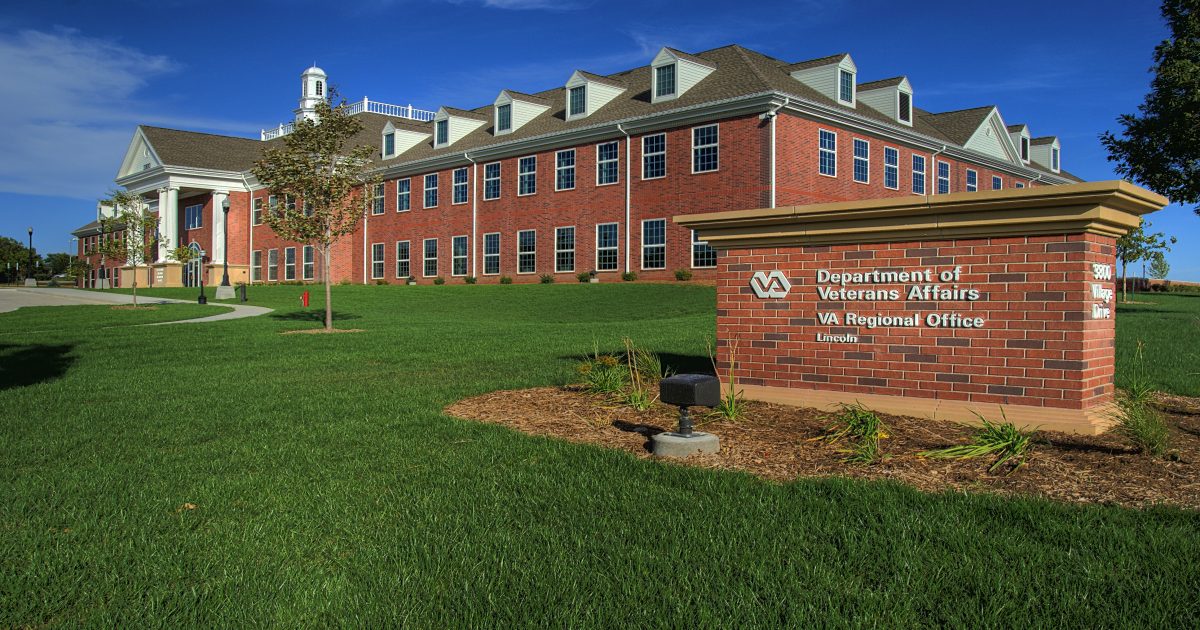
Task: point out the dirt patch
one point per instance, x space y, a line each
322 331
783 443
130 307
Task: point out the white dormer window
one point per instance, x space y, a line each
846 86
389 143
904 107
577 101
442 133
1024 149
664 81
513 110
504 118
1054 156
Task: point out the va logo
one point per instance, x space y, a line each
770 285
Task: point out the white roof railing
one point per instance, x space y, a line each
358 107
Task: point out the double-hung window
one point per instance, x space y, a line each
403 259
491 253
403 195
846 86
458 256
1054 159
377 200
273 204
654 244
272 265
664 81
193 217
577 101
564 170
442 128
430 268
289 263
309 263
526 251
258 210
564 249
997 182
862 161
904 105
606 247
431 192
491 181
504 117
527 176
891 168
918 174
827 153
389 144
703 255
972 180
706 155
256 266
377 250
654 156
607 163
943 178
460 186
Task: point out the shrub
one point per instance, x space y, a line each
471 279
381 282
602 374
683 275
1143 426
629 276
439 280
1008 443
505 280
583 277
546 278
863 429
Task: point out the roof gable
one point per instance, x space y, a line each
139 156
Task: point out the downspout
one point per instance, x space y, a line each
771 115
366 216
627 197
474 216
932 162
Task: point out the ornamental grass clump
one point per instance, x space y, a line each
862 429
1009 444
1137 419
731 406
644 369
603 374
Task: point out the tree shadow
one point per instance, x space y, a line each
312 315
686 364
22 365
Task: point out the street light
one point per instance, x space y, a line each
225 242
29 269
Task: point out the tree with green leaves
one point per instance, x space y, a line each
1159 267
317 166
58 262
1140 245
1160 146
14 256
128 237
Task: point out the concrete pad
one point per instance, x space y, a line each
676 445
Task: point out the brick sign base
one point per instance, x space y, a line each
998 303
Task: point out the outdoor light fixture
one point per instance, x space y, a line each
203 299
683 391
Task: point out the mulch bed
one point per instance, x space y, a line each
782 443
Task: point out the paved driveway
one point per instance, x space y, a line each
13 299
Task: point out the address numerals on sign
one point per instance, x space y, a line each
1100 292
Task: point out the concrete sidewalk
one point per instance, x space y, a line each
15 298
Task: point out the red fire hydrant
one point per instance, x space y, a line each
304 299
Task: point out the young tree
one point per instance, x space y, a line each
1159 267
316 166
130 237
58 262
1138 245
1160 146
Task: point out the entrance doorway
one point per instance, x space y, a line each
192 270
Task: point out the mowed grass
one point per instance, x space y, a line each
328 488
1168 325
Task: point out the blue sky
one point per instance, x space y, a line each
79 76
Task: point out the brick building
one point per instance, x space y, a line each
588 175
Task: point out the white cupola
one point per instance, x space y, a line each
313 89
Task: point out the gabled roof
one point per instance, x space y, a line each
88 229
816 63
454 111
692 58
960 125
203 150
881 83
600 79
1043 140
1017 127
528 98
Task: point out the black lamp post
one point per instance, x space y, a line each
225 243
203 299
29 269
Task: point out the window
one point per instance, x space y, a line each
1020 184
377 201
972 180
526 251
943 178
654 244
918 175
564 249
289 203
273 205
1054 159
309 263
431 190
193 217
320 88
891 168
443 132
664 81
256 219
289 263
256 266
491 253
403 195
705 149
606 247
504 117
403 259
308 209
460 186
846 86
578 101
654 156
527 176
827 153
430 267
564 170
607 163
862 161
458 256
376 261
997 182
1024 149
904 105
703 255
491 181
389 143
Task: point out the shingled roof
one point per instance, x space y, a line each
203 150
960 125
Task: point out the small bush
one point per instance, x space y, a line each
683 275
471 279
344 283
381 282
1008 443
863 429
546 278
1143 426
629 276
602 374
505 280
439 280
583 277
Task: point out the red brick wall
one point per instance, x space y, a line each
1039 344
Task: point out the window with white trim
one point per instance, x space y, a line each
918 174
891 168
458 256
308 262
403 195
564 170
491 254
504 117
430 266
527 176
564 249
607 163
1020 184
943 178
273 205
706 156
431 192
491 181
442 128
972 180
577 101
256 266
1054 158
606 247
846 87
827 153
272 265
904 106
664 81
257 217
289 263
526 251
862 161
289 203
654 156
459 189
1024 149
389 144
997 182
403 259
309 210
654 244
376 261
377 200
193 217
703 255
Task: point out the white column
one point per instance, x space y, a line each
172 217
163 228
218 222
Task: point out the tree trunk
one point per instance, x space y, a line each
135 269
1124 283
328 291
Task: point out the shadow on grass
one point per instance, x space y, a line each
686 364
22 365
311 315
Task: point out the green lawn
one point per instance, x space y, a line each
329 489
1168 325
